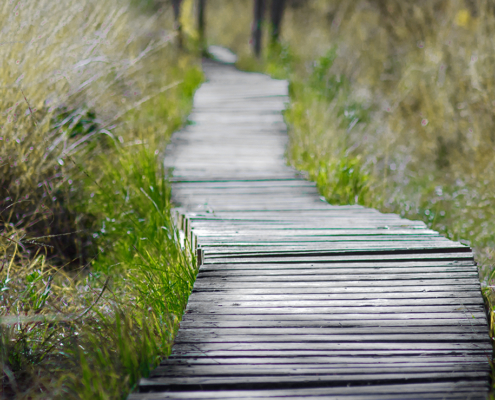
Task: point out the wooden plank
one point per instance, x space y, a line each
340 330
293 319
345 362
329 276
245 295
329 214
463 265
336 248
329 284
338 348
322 309
349 273
186 351
308 340
335 303
295 232
292 182
251 382
473 394
237 237
347 292
308 369
438 245
340 257
408 290
224 242
425 390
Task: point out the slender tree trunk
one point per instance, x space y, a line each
178 27
277 12
201 25
259 11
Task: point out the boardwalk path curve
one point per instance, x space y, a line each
296 298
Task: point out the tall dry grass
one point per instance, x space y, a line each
69 72
92 276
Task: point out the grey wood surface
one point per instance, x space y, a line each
296 298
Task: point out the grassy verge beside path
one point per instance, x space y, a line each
93 279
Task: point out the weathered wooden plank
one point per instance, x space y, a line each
239 238
308 340
334 361
340 330
348 309
328 213
240 242
335 268
293 181
289 231
338 348
473 394
284 370
252 382
245 295
425 390
273 232
328 284
335 303
349 256
295 319
333 248
328 276
439 245
353 289
187 352
347 273
435 297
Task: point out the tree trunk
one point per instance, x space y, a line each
277 13
201 25
177 25
259 10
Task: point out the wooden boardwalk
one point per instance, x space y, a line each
296 298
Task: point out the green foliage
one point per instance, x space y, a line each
329 86
77 123
151 276
342 181
137 236
340 174
146 6
280 60
105 342
323 81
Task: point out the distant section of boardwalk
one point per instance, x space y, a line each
297 298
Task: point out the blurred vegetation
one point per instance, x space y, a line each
93 276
